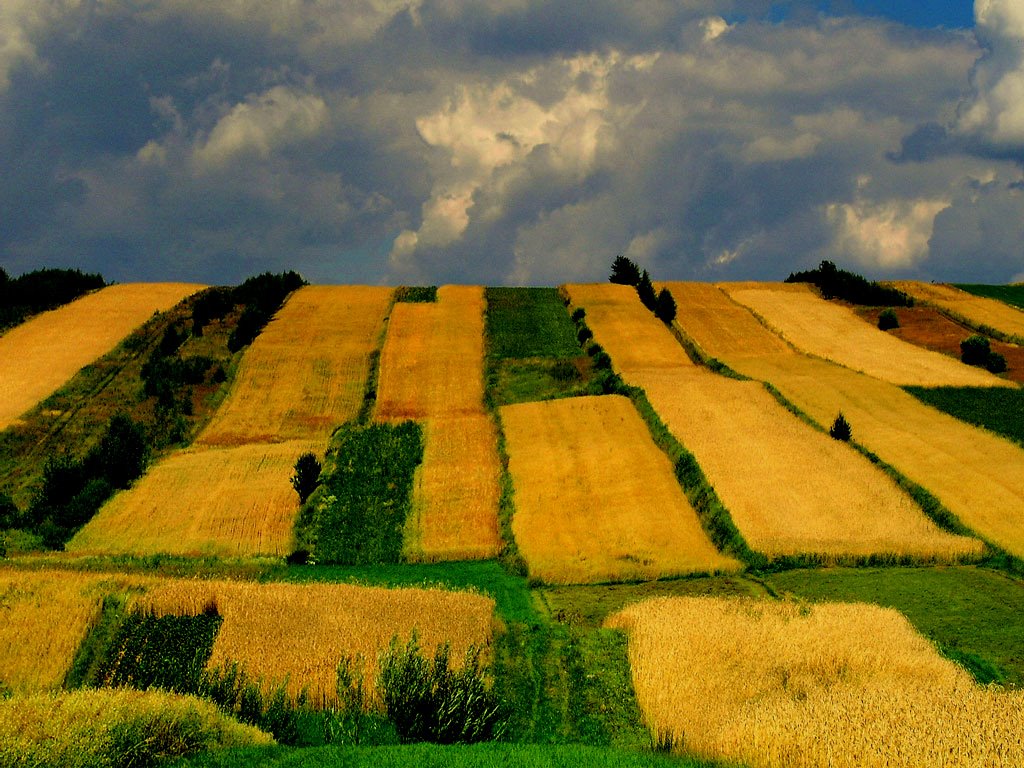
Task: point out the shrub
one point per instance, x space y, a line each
430 701
840 429
578 315
665 307
10 515
975 350
122 453
307 476
887 319
996 363
624 272
584 334
416 293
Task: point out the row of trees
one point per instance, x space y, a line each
40 290
661 303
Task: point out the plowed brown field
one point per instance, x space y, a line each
976 309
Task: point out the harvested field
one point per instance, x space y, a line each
596 500
203 501
305 373
301 631
455 498
975 474
927 327
432 361
432 370
720 326
626 328
978 310
47 350
832 331
780 684
792 489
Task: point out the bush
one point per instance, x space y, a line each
975 350
887 320
645 290
996 363
578 315
840 429
584 334
122 453
624 272
307 476
10 515
430 701
416 293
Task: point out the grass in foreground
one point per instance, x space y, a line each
431 756
996 409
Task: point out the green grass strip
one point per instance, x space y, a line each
1008 294
997 409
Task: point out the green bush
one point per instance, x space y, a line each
10 515
416 293
428 700
975 350
584 334
996 363
307 476
887 319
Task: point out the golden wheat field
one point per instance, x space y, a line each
305 373
38 356
790 488
977 475
779 684
596 500
977 310
299 632
626 329
719 326
829 330
203 501
432 360
432 370
455 496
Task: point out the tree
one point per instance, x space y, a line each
975 350
645 290
887 319
307 476
122 454
624 272
665 307
840 429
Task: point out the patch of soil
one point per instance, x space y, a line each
927 327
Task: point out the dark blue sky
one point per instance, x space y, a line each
951 14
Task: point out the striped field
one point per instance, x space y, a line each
595 498
977 310
37 357
306 372
770 684
834 332
431 370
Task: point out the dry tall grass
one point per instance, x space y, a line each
792 489
305 373
37 357
44 615
626 329
835 333
203 501
776 684
976 309
301 631
456 491
596 500
431 369
975 474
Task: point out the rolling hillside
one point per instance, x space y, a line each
541 517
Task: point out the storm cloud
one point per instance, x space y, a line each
506 141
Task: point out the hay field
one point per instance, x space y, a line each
37 357
780 684
203 501
596 500
835 333
456 491
44 615
432 370
977 475
305 373
720 326
626 329
301 631
975 309
432 361
790 488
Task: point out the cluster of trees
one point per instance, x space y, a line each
836 283
40 290
977 350
661 303
262 296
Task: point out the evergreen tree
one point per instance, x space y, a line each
665 308
624 272
645 290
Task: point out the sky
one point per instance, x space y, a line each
515 142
